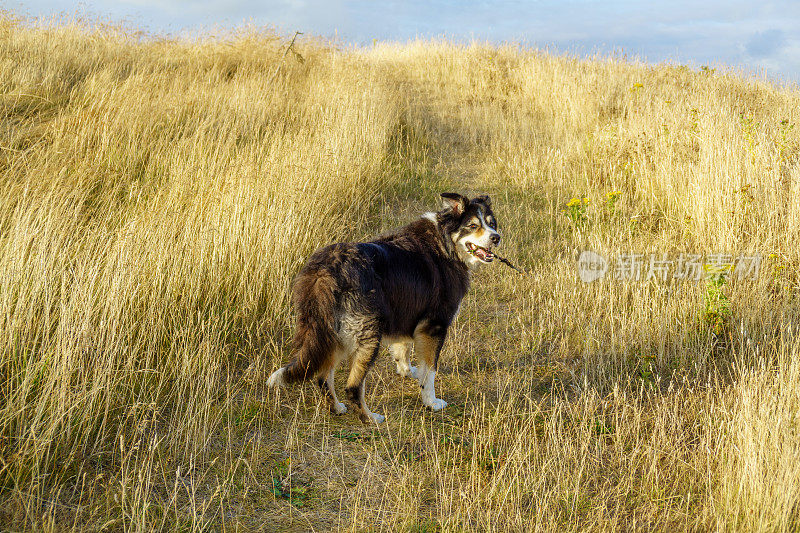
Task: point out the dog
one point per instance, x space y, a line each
398 289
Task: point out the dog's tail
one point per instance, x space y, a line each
315 339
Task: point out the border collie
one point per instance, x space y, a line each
399 289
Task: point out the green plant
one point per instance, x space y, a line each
286 488
428 525
576 211
646 365
716 305
694 116
779 280
295 493
611 201
785 145
352 436
748 127
601 427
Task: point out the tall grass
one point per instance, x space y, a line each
157 196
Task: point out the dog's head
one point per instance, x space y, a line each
471 226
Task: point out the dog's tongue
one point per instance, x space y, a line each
483 254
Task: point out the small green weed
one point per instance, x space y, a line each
576 211
600 427
611 201
247 414
489 458
646 365
748 127
780 282
575 505
785 145
694 115
352 436
284 487
425 526
448 440
297 494
716 306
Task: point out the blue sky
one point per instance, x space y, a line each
757 36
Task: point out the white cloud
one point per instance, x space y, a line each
738 33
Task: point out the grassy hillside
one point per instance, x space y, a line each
157 196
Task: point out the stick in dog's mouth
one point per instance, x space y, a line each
510 264
481 253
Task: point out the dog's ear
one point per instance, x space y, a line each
483 199
455 201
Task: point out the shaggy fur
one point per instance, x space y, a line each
399 289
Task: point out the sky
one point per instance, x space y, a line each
760 37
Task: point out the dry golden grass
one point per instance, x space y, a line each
157 196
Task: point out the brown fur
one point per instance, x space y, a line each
404 285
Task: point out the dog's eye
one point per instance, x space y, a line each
472 226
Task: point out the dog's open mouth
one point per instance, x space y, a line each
481 253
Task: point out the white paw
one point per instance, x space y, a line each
436 404
407 372
276 379
377 418
339 408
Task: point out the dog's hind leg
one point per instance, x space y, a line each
401 352
326 384
363 357
428 342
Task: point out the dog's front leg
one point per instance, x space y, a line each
401 353
427 347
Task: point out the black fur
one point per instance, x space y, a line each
406 284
